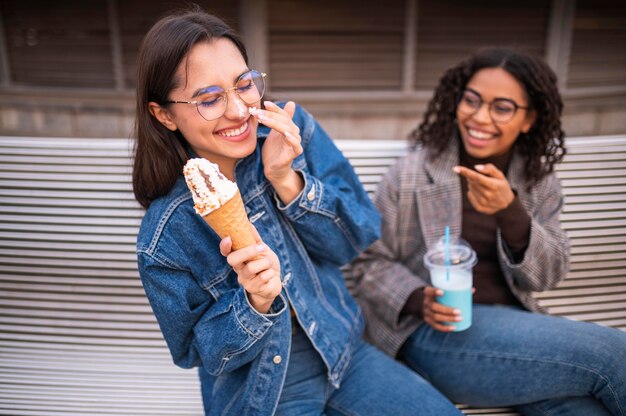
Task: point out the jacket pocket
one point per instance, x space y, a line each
217 277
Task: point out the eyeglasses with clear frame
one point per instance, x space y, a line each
212 101
501 110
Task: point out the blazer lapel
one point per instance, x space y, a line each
439 198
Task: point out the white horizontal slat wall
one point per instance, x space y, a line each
77 335
594 183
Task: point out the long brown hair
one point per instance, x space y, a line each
160 154
541 148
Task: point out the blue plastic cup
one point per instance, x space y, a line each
454 277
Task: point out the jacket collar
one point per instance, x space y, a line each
439 169
439 200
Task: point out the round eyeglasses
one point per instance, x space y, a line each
501 110
212 101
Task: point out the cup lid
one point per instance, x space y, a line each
460 252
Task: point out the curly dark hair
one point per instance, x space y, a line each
541 148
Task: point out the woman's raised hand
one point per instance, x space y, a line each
258 271
280 149
283 143
487 188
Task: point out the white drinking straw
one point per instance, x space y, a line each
447 251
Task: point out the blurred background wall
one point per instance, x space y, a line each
365 69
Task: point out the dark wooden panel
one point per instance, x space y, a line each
137 16
65 43
598 55
335 45
449 30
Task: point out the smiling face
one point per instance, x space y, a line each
481 136
233 135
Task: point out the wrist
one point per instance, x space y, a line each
504 203
278 177
511 197
260 303
287 186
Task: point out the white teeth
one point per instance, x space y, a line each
479 134
234 132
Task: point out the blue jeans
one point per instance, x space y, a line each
374 385
541 365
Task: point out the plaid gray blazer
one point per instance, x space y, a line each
417 198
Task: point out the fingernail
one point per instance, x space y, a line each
456 312
260 248
289 135
458 319
270 103
479 167
456 169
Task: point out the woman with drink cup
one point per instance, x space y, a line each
483 165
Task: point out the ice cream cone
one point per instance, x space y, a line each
231 220
218 200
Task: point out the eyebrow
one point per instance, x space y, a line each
202 89
497 98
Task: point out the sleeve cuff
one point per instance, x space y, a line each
415 304
514 224
309 199
254 322
395 313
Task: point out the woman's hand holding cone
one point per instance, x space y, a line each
258 271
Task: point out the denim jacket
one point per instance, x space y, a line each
204 314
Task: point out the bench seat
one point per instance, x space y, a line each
77 333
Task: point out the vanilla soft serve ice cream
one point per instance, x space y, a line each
209 188
218 201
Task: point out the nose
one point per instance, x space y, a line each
235 107
483 114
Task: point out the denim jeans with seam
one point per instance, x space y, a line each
374 384
538 364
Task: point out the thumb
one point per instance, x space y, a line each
226 246
489 169
431 292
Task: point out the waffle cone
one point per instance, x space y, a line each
231 220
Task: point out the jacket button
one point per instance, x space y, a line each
311 195
277 359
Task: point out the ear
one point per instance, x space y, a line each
530 119
163 115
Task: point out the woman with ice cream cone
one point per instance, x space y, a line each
483 165
270 326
